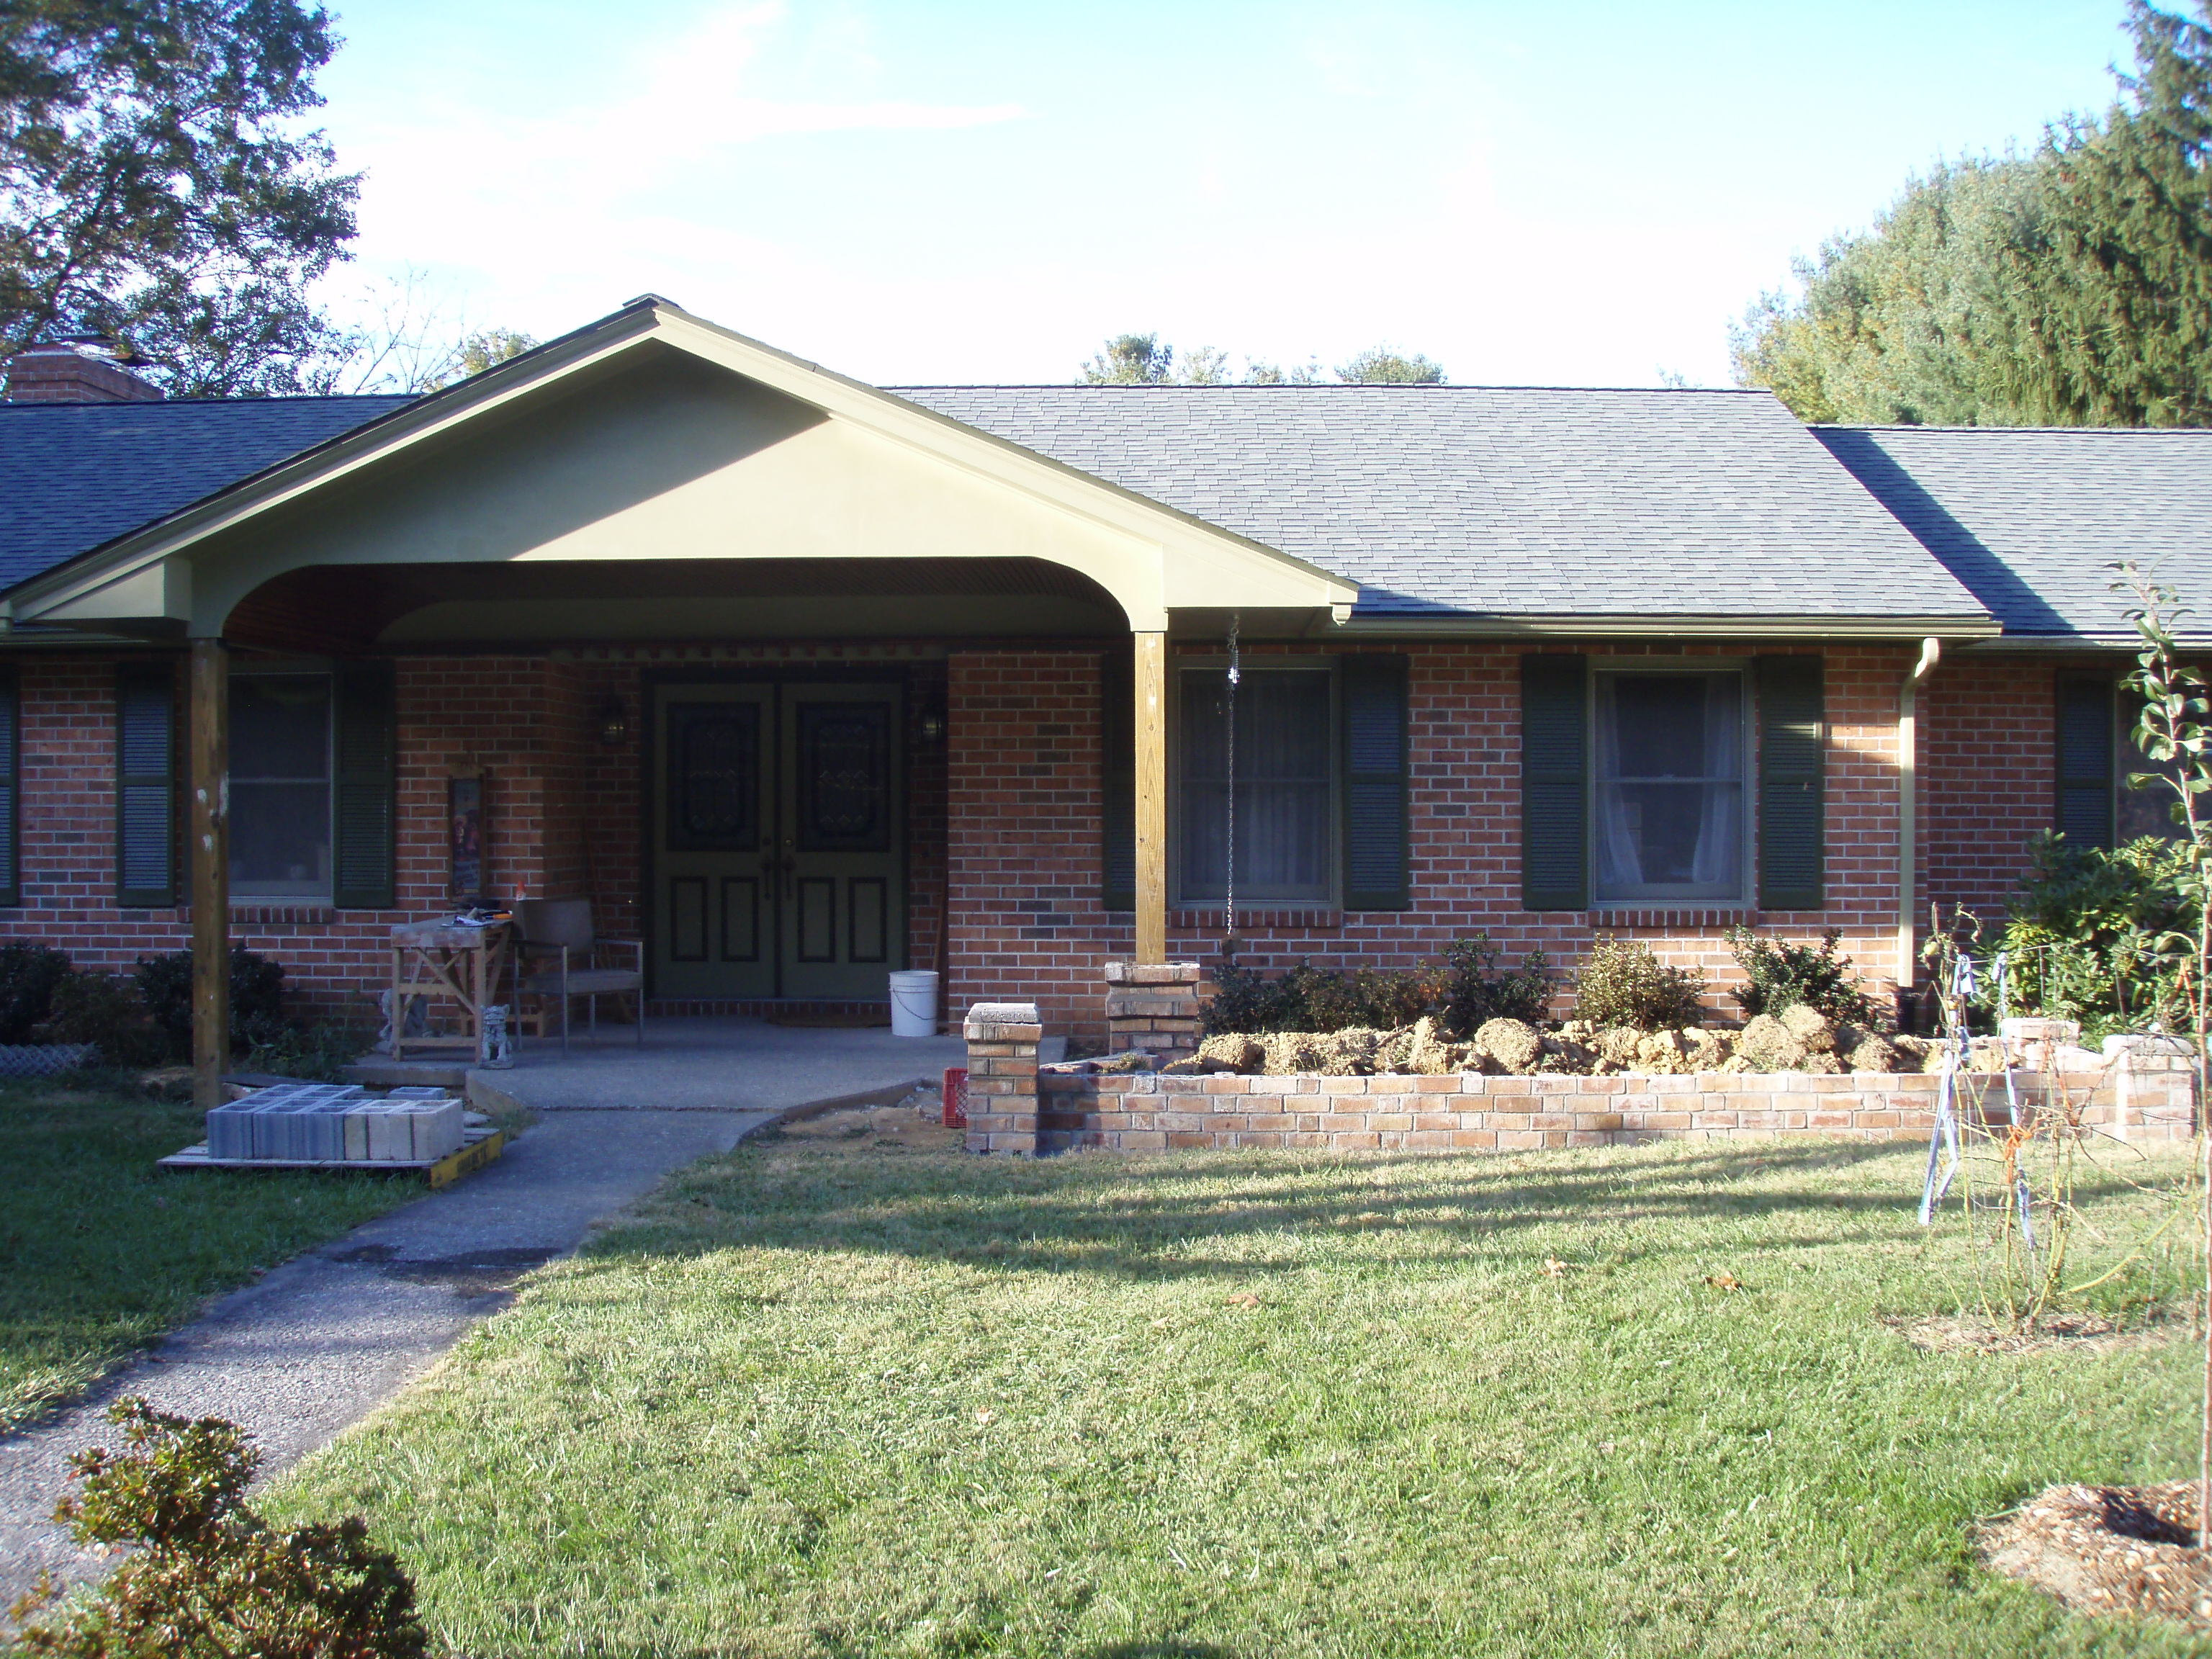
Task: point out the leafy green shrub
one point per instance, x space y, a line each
206 1576
1476 992
2091 935
1310 999
28 974
104 1010
1778 975
1622 983
256 997
318 1054
1463 993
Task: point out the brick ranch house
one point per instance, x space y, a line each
802 680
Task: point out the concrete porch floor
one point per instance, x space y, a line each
723 1064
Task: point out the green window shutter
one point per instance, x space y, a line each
1554 783
1118 735
365 814
1372 709
146 786
2085 759
11 761
1791 765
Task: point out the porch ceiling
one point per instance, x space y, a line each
347 610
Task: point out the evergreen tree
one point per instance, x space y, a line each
2073 287
2119 285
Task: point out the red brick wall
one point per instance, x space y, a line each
1024 852
509 718
562 810
1989 759
1007 816
1464 747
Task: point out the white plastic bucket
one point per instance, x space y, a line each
914 1005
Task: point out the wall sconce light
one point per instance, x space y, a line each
614 723
933 726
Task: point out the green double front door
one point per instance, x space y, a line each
777 825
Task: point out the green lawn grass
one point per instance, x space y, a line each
100 1251
839 1394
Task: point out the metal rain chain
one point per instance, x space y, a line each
1229 883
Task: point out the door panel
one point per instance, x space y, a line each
867 908
713 799
741 918
841 838
778 839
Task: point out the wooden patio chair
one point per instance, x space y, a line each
557 934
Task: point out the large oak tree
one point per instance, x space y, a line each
158 185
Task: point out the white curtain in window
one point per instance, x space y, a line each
1720 838
1670 740
1619 859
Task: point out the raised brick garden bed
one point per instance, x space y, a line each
2133 1096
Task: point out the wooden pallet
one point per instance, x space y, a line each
480 1144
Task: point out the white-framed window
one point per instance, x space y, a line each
1670 810
280 785
1286 800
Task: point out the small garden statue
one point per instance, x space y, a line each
496 1049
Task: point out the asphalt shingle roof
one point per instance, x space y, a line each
1509 501
2028 518
75 475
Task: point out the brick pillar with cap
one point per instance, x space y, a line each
1002 1076
1155 1007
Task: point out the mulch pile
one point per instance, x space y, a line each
2110 1549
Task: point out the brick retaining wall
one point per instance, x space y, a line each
2134 1097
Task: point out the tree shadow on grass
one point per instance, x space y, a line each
1170 1216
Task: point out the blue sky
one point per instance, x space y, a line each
942 192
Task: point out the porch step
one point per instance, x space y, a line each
777 1011
376 1073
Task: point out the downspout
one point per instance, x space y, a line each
1908 777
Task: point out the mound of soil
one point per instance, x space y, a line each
2110 1549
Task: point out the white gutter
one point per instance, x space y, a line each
1908 781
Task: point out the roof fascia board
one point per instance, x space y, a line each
1690 627
289 479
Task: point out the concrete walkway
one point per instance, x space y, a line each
719 1065
321 1342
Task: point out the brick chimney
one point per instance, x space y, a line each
81 368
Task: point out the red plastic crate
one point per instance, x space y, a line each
956 1097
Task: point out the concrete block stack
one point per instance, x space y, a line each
336 1123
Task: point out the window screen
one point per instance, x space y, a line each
280 786
1285 844
1670 816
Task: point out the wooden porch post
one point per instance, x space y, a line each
1151 798
211 868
